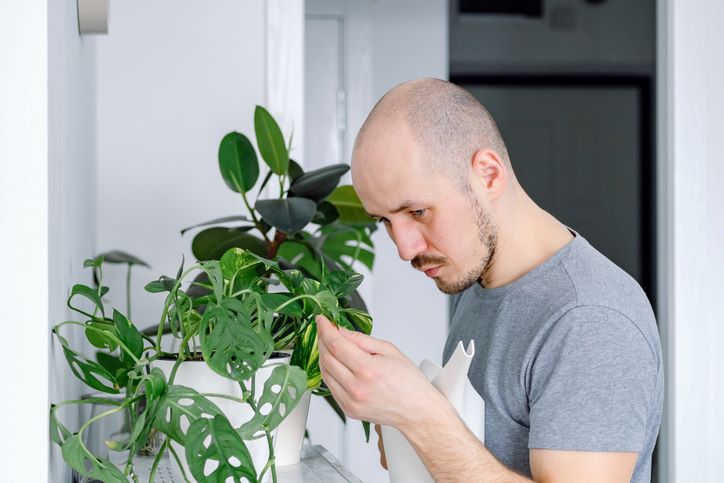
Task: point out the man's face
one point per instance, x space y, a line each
439 228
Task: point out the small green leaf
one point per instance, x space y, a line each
87 464
366 428
359 320
115 366
306 356
351 210
90 372
320 183
89 294
288 215
282 391
163 284
238 163
270 141
212 243
128 334
343 283
214 440
98 332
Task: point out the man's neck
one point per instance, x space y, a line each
528 237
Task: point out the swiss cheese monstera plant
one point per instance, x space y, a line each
231 323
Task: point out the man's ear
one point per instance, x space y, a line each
489 172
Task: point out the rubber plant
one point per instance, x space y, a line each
232 327
312 225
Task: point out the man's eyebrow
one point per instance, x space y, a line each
406 205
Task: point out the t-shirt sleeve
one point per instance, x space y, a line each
591 384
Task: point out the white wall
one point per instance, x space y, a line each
47 219
691 102
71 191
614 35
23 244
174 76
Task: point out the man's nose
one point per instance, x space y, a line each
409 241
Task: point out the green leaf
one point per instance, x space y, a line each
115 366
98 332
350 208
118 256
344 246
243 266
128 334
320 183
326 214
229 344
359 320
58 432
343 283
212 243
288 215
270 141
216 221
306 356
88 293
87 464
91 373
295 171
301 256
238 163
282 391
215 440
182 403
366 428
163 284
93 262
212 268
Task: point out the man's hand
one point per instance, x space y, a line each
381 446
372 380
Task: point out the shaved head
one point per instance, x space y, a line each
446 120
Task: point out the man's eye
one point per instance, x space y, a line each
418 212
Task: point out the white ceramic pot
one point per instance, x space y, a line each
197 375
290 433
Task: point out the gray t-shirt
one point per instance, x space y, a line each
567 357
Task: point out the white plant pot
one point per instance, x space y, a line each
197 375
290 433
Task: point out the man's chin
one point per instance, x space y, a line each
452 288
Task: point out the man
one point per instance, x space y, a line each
568 358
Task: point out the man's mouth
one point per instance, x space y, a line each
431 272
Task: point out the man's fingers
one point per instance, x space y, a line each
367 343
329 364
342 349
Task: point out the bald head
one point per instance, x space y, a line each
449 124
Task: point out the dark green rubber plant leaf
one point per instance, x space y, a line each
350 208
87 464
88 371
216 221
318 184
282 391
230 345
211 244
270 140
326 214
237 162
215 440
295 171
129 335
288 215
179 406
119 256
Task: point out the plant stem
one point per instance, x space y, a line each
156 461
178 462
253 217
128 292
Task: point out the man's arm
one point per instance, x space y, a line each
373 381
